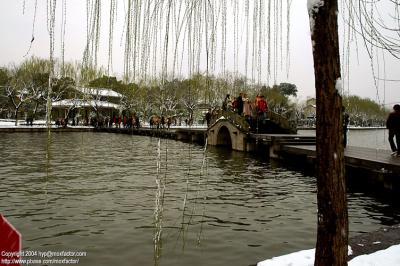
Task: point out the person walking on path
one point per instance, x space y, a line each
393 124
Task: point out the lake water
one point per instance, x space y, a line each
368 138
98 193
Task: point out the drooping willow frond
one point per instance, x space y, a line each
376 25
63 26
51 18
168 38
93 25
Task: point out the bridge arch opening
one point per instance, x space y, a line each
224 137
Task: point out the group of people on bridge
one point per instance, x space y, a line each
243 106
254 112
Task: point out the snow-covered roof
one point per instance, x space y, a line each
85 103
100 92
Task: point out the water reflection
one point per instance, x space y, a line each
99 192
369 138
47 166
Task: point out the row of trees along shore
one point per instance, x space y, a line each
24 90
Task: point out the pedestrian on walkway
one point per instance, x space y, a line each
393 124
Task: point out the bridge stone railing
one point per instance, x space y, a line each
236 119
282 122
241 123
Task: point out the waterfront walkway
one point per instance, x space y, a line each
372 159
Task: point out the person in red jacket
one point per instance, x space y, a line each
262 105
393 124
262 109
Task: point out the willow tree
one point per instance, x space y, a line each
332 232
376 23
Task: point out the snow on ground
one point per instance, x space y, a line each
300 258
387 257
8 123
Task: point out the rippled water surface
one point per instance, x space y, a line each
368 138
96 192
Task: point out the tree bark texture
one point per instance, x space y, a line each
332 232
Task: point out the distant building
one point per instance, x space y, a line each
310 108
307 117
89 103
101 94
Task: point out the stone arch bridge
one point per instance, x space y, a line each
231 130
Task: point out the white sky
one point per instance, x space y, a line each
16 32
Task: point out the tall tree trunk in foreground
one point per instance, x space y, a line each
332 234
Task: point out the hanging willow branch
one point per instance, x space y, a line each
158 33
51 7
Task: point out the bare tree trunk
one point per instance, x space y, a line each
16 115
332 234
35 110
